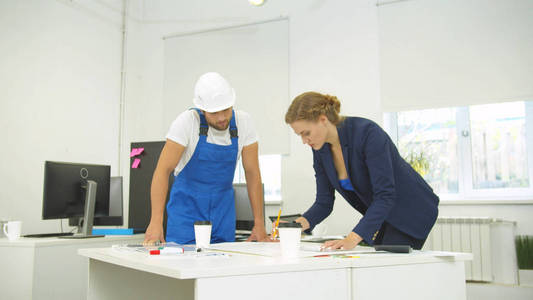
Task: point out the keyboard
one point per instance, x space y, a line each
241 237
54 234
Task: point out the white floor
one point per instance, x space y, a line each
488 291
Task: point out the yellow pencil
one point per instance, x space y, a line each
275 229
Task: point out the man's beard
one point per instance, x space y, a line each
219 127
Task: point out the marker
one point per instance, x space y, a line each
167 251
393 248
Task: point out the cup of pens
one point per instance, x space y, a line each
289 238
202 234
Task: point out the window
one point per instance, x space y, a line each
466 153
431 135
270 166
499 158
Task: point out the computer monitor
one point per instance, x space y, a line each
115 204
115 217
76 190
243 209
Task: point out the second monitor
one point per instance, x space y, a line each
243 209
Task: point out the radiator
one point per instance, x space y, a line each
490 240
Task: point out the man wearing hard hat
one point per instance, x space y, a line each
202 149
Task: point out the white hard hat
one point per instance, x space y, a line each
213 93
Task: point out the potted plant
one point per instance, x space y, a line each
418 161
524 255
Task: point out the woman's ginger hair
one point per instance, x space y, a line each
309 106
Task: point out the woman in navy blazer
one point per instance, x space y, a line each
355 157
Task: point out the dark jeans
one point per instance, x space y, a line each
389 235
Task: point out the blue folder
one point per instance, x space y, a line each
112 231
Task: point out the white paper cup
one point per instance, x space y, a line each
202 234
289 238
12 230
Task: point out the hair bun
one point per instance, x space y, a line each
334 102
311 105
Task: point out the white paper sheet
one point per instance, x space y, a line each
274 250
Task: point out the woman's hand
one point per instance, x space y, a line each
348 243
303 221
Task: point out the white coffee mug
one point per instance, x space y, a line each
2 222
202 234
12 230
289 238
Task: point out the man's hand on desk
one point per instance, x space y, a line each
259 234
154 234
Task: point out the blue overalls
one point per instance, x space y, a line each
203 190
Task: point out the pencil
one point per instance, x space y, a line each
275 230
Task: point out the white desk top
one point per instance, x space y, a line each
24 242
186 267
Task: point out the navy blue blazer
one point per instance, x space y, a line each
387 188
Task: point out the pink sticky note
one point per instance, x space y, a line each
136 151
133 152
136 163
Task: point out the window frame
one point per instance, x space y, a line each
466 193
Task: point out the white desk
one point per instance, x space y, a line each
48 268
419 275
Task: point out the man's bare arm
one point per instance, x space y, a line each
168 160
250 162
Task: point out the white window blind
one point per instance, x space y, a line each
253 57
444 53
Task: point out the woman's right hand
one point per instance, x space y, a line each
154 234
304 222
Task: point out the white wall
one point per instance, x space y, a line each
59 89
333 49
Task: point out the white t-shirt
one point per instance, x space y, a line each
186 128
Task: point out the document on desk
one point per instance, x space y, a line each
316 249
167 251
146 248
274 249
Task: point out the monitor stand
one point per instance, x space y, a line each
86 228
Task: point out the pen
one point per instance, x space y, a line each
216 254
337 256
